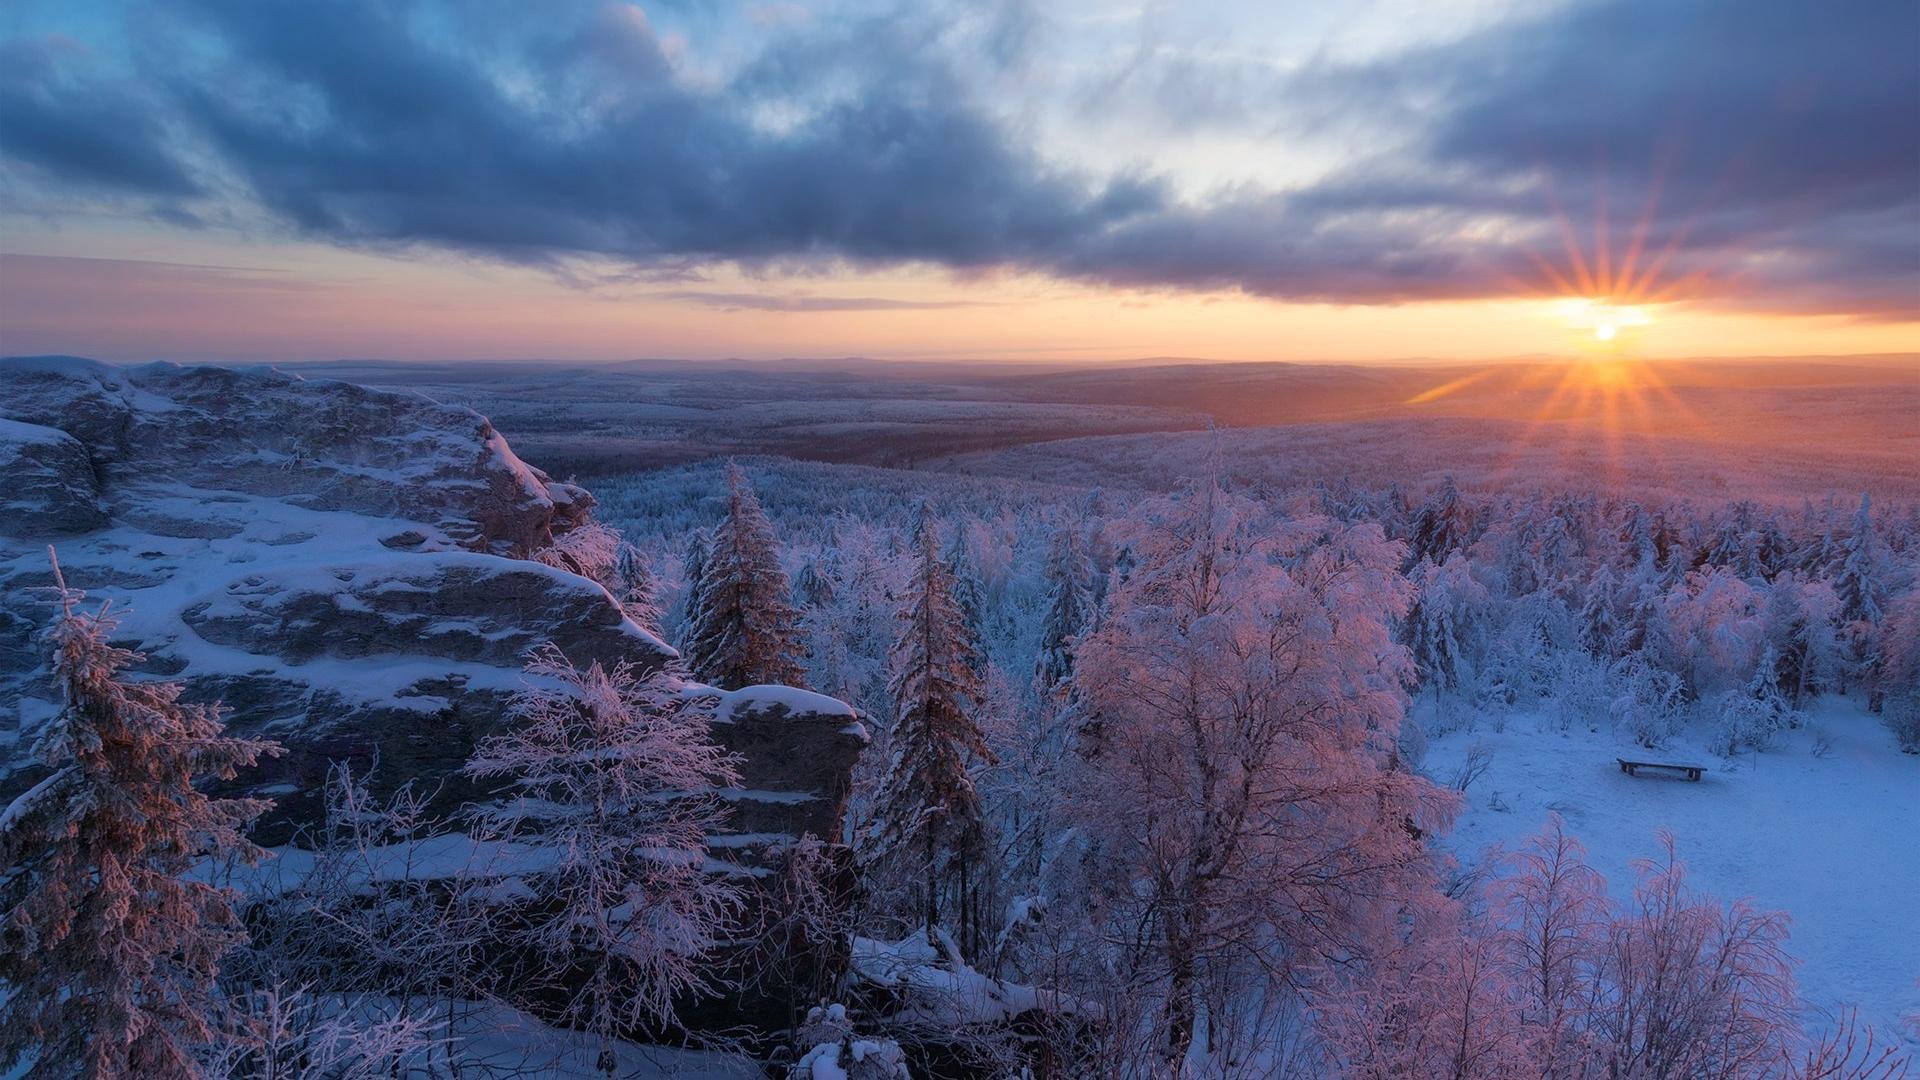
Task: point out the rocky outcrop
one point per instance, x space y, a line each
48 487
347 569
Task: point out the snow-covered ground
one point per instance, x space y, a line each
1833 839
494 1037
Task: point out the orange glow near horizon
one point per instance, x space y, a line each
212 301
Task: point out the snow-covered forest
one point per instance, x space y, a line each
1221 634
1215 778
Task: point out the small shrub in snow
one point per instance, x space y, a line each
1479 760
1822 741
1740 723
854 1059
1650 704
293 1035
1752 719
836 1053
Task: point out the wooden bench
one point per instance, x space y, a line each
1632 768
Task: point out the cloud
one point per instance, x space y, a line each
76 129
743 301
1759 152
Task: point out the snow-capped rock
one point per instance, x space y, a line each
349 570
49 488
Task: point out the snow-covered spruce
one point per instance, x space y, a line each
742 627
108 952
927 814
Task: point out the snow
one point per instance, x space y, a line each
439 857
797 702
71 367
882 1057
493 1039
938 987
1828 839
25 803
21 434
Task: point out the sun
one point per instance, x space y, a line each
1601 320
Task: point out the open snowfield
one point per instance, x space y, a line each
1831 839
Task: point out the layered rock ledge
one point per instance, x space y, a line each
350 570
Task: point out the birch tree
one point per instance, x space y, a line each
609 775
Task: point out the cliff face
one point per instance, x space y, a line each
347 569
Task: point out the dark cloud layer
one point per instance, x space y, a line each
1761 151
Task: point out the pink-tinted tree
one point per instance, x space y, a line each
928 811
1240 793
108 948
609 776
1553 908
743 629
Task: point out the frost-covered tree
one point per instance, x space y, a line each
1685 986
591 550
388 935
1443 628
1069 608
108 948
969 594
1596 624
1552 907
1240 799
743 629
1798 624
609 774
1442 526
1551 979
1899 675
928 813
1857 585
1857 582
1712 629
286 1033
813 588
1752 717
637 588
693 573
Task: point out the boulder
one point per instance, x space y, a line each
46 483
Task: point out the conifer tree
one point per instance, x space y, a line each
635 588
928 809
1440 628
1856 582
694 564
1443 526
1069 608
813 589
1857 587
743 627
1597 629
969 594
107 952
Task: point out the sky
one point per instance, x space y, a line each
1062 181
